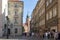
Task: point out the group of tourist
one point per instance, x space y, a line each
52 35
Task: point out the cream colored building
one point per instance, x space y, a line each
46 16
53 15
38 17
15 14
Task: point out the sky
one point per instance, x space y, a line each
29 5
4 6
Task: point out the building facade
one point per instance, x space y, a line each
38 17
0 18
27 25
53 15
25 28
15 15
46 16
4 23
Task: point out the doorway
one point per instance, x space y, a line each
8 31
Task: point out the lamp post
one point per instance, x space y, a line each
7 26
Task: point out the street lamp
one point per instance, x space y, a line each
7 26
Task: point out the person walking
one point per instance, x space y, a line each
59 36
46 35
55 35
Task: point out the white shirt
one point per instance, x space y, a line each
46 34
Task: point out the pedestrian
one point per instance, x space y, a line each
43 35
46 35
25 34
51 35
59 36
32 34
55 35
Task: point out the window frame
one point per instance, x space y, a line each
15 22
50 1
54 11
47 16
47 3
16 30
50 13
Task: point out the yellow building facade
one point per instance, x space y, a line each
38 17
46 16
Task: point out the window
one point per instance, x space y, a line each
47 3
8 12
5 26
42 11
16 5
50 1
47 16
8 4
54 11
43 22
50 14
16 30
15 12
16 21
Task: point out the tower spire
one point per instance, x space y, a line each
27 15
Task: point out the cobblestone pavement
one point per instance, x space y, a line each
26 38
14 38
38 38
